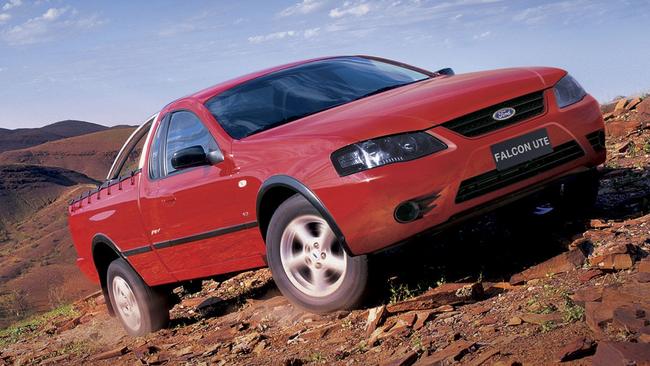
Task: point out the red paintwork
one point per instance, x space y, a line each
362 204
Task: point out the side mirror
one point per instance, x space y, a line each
215 157
189 157
195 156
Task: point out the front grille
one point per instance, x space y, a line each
597 140
495 179
480 122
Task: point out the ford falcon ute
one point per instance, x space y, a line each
310 167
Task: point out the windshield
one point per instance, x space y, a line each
290 94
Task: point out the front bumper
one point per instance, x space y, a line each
363 204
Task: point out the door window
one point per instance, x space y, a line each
154 154
186 130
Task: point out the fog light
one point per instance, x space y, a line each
407 212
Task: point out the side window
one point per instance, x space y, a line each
154 154
186 130
132 158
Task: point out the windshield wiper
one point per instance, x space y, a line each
387 88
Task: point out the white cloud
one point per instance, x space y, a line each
357 10
12 4
4 17
50 25
271 36
569 9
309 33
275 36
482 35
53 13
303 7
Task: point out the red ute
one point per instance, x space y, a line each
309 167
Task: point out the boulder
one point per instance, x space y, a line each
621 353
632 104
577 349
453 352
407 358
376 316
446 294
620 106
564 262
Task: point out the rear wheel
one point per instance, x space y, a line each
141 309
308 262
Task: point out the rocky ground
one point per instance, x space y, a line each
501 290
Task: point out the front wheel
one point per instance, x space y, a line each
141 309
308 262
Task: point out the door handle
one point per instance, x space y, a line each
168 201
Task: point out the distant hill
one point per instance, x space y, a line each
25 189
25 137
91 154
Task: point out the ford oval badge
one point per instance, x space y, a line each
504 114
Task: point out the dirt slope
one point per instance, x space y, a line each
504 289
24 189
90 154
26 137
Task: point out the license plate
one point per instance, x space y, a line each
521 149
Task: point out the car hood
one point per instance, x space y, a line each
417 106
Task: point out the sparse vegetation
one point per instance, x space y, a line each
547 326
23 329
571 312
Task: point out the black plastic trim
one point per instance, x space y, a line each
140 250
103 239
297 186
597 140
205 235
496 179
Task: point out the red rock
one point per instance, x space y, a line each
564 262
375 318
620 105
588 294
319 333
540 319
643 277
616 129
446 294
71 324
480 360
612 261
607 116
579 348
596 315
599 224
643 110
631 317
117 352
515 320
644 266
621 353
405 360
633 103
590 274
422 318
454 351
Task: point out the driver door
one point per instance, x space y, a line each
202 226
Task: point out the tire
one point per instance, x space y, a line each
309 265
141 309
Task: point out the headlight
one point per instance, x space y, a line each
568 91
384 150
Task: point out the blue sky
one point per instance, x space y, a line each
115 62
